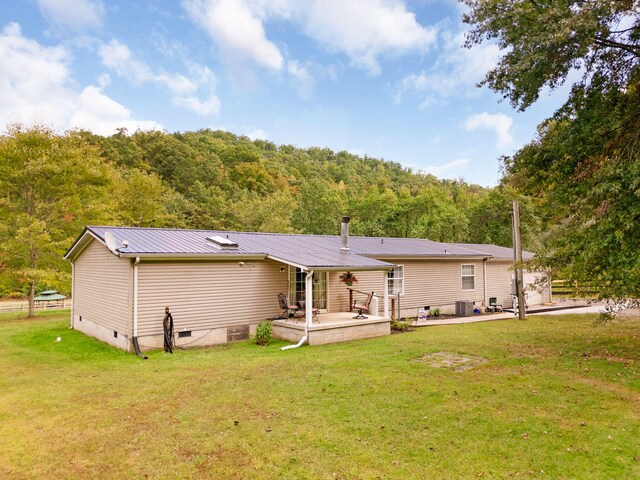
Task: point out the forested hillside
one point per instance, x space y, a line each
53 185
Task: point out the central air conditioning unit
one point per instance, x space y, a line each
464 308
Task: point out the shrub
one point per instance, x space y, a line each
263 333
16 295
435 312
400 325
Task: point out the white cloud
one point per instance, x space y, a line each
257 134
456 71
444 170
76 15
118 57
104 115
236 30
364 30
209 106
498 122
37 87
302 77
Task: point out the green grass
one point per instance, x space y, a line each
559 398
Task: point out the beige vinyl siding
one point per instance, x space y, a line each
499 283
205 295
372 281
103 288
532 289
438 282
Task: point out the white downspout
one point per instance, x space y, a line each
484 280
135 297
73 293
308 310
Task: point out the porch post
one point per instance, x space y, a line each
386 294
308 301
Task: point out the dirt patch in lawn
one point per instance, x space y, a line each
453 361
630 313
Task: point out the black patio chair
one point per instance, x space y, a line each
288 310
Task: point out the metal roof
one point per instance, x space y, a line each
402 247
496 251
49 297
306 251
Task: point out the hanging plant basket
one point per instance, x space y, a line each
348 278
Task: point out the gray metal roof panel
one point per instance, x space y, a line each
496 251
168 241
378 246
307 250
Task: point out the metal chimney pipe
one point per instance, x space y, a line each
344 233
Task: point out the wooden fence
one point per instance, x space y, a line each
23 306
567 287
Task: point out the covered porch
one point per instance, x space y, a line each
322 314
332 328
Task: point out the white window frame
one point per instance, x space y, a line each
299 287
463 276
391 280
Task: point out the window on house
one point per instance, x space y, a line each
395 279
468 277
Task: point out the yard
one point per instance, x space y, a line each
549 397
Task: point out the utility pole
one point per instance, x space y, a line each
517 256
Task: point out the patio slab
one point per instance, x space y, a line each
568 306
332 328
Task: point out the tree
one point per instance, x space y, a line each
583 169
208 207
490 219
252 176
319 208
171 159
50 184
439 218
544 41
142 200
373 213
255 213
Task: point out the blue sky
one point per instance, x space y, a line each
384 78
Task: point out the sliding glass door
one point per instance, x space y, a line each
297 288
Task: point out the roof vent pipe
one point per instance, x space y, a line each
344 233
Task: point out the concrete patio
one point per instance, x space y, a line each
563 306
332 328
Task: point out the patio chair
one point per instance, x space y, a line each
362 306
302 315
493 305
288 310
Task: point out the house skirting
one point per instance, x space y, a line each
101 332
199 338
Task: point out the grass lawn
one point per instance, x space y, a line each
558 398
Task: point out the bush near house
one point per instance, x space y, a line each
263 333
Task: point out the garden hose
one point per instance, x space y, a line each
168 331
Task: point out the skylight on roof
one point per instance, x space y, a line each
222 242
